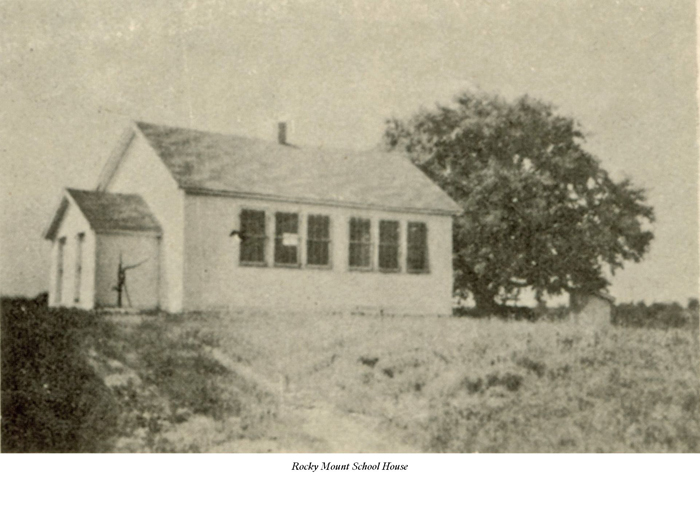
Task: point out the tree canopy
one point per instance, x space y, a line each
539 210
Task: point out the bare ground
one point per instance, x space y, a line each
306 423
322 429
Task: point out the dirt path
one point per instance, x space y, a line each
307 424
322 429
349 432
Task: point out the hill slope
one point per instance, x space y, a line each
258 381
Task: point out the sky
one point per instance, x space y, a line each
73 73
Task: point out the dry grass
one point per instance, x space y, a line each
202 382
463 385
75 381
175 395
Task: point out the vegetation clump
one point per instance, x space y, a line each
540 211
52 400
76 381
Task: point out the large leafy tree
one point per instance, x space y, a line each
539 210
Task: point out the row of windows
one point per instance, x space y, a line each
318 242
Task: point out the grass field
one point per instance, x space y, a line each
463 385
268 381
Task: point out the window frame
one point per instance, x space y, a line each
328 242
297 263
426 250
244 236
369 244
396 245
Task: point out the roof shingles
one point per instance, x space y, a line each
208 162
115 212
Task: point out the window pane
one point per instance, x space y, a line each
318 240
286 231
285 254
389 245
286 223
318 227
417 256
359 230
389 257
360 255
317 252
360 243
253 250
253 222
252 236
389 231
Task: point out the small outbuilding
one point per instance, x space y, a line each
591 309
95 236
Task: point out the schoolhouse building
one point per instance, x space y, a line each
184 220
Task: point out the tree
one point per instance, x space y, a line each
539 211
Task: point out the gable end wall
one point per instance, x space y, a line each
72 224
140 171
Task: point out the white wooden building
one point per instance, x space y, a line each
591 310
219 221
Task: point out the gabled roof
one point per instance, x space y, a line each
224 164
107 212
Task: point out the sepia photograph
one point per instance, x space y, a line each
349 227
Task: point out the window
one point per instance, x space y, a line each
417 240
59 269
389 245
360 243
79 240
318 240
286 239
253 237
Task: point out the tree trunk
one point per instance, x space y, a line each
485 301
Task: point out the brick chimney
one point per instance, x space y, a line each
282 133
